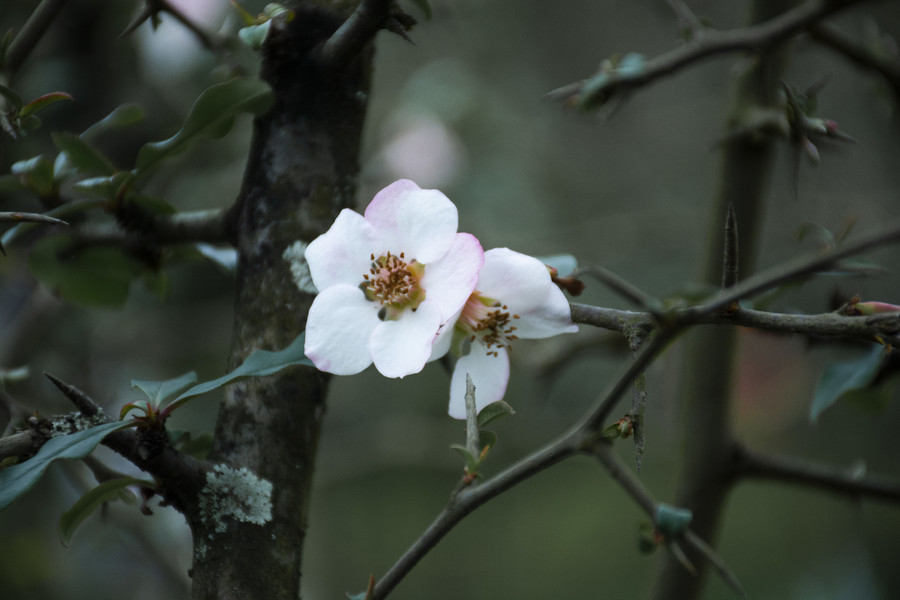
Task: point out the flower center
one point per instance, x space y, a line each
489 320
394 283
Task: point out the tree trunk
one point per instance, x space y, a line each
301 172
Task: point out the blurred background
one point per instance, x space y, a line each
464 109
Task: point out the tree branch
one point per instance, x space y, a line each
704 44
196 226
859 54
30 34
355 33
750 464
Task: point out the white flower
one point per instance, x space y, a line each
388 281
515 298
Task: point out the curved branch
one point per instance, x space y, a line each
750 464
30 34
704 44
355 33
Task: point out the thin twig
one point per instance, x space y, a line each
750 464
859 54
30 34
196 226
731 256
617 284
710 43
18 217
688 22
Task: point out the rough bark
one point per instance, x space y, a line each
301 172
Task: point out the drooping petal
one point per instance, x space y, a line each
402 347
449 280
520 281
553 317
489 373
338 329
420 223
342 254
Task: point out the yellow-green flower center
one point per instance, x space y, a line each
489 320
394 283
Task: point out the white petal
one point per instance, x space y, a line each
490 374
401 347
343 253
450 280
520 281
338 329
420 223
553 317
444 338
523 284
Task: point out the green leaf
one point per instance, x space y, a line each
18 479
259 364
37 174
83 156
215 107
494 411
105 492
487 438
255 35
842 378
95 276
161 391
672 521
42 102
471 461
121 116
106 187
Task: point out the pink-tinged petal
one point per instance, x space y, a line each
420 223
520 281
553 317
450 280
342 254
338 329
401 347
489 373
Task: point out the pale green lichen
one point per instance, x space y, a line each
237 494
75 422
295 254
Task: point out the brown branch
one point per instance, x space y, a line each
30 34
355 33
750 464
704 44
859 54
18 444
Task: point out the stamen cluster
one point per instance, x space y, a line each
393 281
492 326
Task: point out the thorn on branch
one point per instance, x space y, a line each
730 266
82 401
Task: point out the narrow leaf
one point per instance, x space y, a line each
215 106
121 116
259 364
105 492
671 521
42 102
840 379
12 97
83 156
494 411
18 479
160 391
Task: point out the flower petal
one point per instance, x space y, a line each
520 281
420 223
338 328
450 280
489 373
443 340
342 254
402 347
553 317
